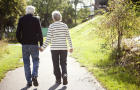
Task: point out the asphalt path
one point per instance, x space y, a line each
78 77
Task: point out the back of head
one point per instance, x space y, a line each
56 15
30 9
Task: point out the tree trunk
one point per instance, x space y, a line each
119 45
0 33
75 13
0 36
75 4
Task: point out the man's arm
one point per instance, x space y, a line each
40 36
18 32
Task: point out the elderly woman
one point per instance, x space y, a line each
57 35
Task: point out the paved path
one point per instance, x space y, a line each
78 77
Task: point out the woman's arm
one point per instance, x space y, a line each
48 39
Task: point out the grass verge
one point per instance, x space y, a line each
90 50
10 59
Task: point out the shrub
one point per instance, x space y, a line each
119 22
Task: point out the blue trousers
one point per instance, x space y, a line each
27 51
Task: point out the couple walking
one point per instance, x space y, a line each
29 35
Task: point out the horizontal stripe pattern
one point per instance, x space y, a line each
57 36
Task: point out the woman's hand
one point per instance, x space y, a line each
71 50
40 49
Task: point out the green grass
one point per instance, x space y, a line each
3 47
90 51
10 59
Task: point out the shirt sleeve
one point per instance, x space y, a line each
40 36
18 32
68 37
48 39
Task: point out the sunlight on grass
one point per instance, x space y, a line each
10 60
3 48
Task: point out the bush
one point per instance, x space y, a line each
120 22
121 29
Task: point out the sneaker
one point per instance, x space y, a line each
65 82
29 84
35 82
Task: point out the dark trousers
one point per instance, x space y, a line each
59 58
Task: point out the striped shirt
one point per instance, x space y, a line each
57 36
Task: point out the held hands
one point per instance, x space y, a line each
40 49
71 50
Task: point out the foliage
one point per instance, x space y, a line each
99 12
120 21
46 7
10 10
68 15
137 7
101 2
75 3
83 13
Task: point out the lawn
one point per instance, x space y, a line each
9 59
90 50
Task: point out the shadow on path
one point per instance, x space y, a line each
35 89
63 88
54 86
25 88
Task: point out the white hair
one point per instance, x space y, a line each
30 9
56 15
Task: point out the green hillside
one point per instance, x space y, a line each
90 51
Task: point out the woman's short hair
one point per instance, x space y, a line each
56 15
30 9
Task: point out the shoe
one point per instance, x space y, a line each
58 81
65 82
35 82
29 84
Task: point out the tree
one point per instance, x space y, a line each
46 7
68 15
76 2
83 14
120 21
135 0
10 10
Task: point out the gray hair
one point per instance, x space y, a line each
30 9
56 16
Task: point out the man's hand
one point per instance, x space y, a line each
71 50
40 49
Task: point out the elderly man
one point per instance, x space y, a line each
57 35
29 34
